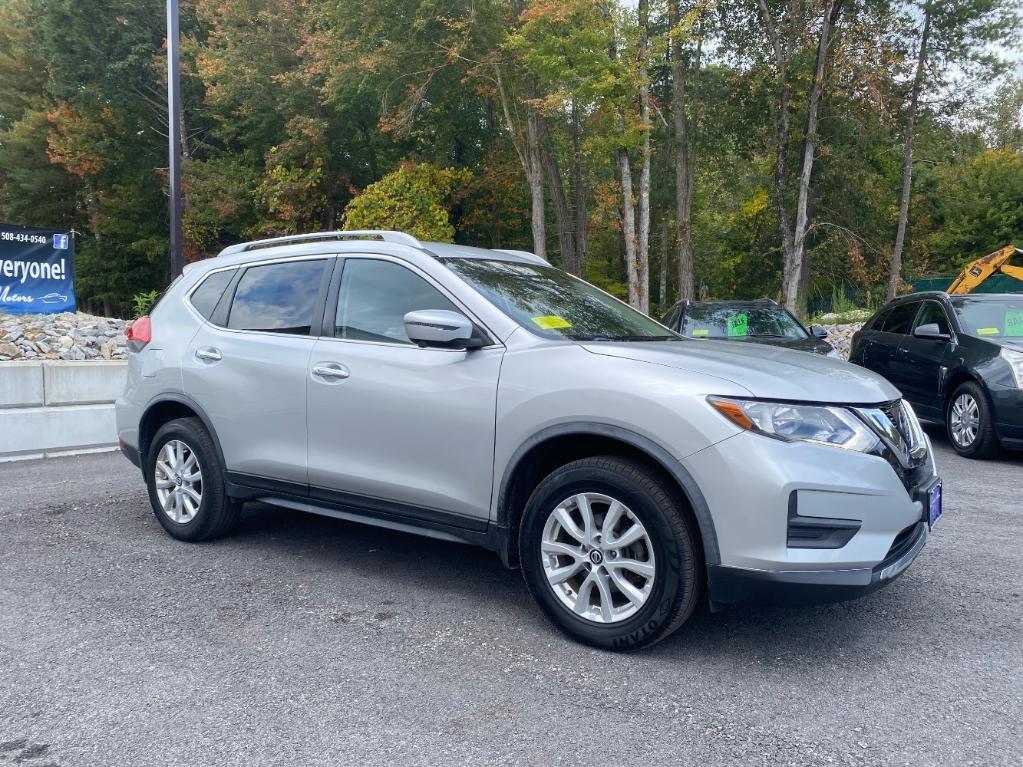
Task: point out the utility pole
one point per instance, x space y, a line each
177 262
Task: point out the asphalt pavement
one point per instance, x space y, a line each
308 641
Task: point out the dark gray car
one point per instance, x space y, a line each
760 321
958 359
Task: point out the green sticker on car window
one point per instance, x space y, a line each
1014 323
700 332
738 324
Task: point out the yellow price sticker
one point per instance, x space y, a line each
697 333
551 322
988 331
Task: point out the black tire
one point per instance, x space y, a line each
985 444
677 587
217 513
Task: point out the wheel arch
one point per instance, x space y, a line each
168 407
559 444
956 379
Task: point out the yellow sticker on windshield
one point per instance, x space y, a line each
701 332
988 331
551 322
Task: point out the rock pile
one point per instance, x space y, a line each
840 336
66 336
80 336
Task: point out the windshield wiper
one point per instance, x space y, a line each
612 339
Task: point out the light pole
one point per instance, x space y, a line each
177 262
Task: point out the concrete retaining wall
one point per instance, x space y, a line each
55 408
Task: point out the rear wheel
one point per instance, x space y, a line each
186 482
609 553
970 426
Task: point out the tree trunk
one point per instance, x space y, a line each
636 297
578 195
643 244
529 158
562 213
534 177
795 271
662 288
907 158
782 129
685 155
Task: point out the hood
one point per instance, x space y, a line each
768 372
1015 344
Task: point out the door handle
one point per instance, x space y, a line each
331 371
208 354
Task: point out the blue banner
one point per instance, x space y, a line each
36 270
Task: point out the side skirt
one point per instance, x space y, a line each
432 523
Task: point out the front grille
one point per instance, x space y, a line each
911 478
903 542
902 442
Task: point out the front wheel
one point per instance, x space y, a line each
609 553
186 482
971 428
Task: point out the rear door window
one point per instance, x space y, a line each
206 297
900 321
278 298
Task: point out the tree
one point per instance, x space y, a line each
416 198
785 32
952 35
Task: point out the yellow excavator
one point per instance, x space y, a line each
977 271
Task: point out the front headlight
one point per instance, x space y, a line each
1015 360
793 422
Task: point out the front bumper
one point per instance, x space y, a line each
733 585
760 491
1007 404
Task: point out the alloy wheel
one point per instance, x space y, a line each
598 558
964 420
178 478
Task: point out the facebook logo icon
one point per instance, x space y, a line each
60 242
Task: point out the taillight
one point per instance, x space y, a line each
140 333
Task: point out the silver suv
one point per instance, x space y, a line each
486 397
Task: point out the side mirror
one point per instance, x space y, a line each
818 332
441 328
931 332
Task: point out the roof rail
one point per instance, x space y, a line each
362 234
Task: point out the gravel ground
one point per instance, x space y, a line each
307 641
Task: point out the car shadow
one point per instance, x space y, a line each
466 575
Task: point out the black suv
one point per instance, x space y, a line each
957 359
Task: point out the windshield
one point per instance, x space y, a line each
989 318
553 304
740 322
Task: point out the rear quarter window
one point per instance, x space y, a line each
206 297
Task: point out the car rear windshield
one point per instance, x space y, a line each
739 322
991 318
551 303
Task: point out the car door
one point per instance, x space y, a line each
886 340
920 363
394 427
247 368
